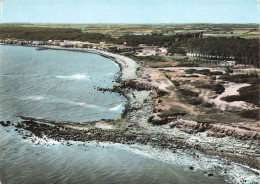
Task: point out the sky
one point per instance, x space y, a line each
129 11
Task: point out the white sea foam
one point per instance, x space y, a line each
61 100
234 173
117 107
36 97
81 103
110 73
75 76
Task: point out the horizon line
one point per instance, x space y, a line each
126 23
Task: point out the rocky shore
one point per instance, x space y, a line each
135 126
67 132
174 141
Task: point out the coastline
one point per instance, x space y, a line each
127 65
137 128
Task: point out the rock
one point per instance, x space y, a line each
157 121
206 104
191 168
246 146
5 124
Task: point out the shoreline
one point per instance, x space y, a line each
195 162
136 129
167 150
127 66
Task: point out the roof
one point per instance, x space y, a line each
123 47
231 61
150 49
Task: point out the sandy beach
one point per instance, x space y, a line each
127 65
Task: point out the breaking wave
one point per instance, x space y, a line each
38 98
73 77
117 107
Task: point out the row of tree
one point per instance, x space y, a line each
244 51
157 39
44 34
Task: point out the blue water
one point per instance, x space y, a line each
59 85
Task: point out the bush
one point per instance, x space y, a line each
187 64
173 111
225 76
216 73
251 114
206 104
187 93
189 76
213 77
204 72
200 84
161 93
190 71
167 76
228 70
195 101
218 88
249 94
175 83
241 78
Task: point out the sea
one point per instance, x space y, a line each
61 86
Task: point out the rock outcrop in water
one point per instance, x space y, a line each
67 131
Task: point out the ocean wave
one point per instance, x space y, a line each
37 98
75 76
52 99
110 73
117 107
81 103
85 104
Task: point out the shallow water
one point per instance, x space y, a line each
59 85
25 162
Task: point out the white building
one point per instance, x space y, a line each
162 51
149 51
227 63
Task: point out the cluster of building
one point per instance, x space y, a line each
140 50
62 43
152 51
144 50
